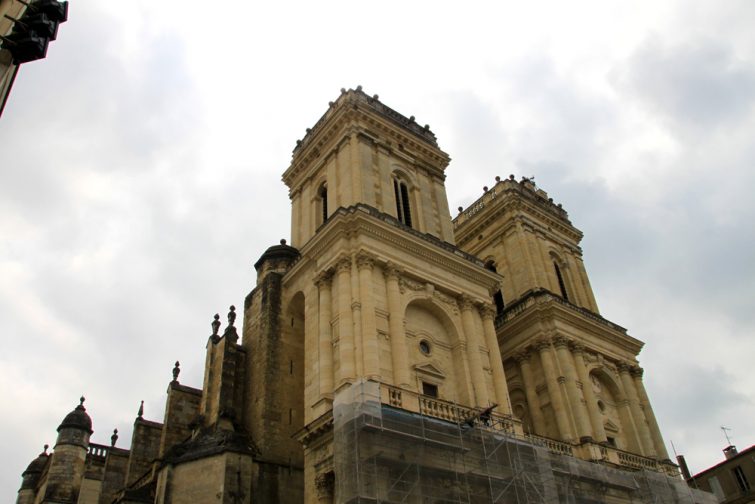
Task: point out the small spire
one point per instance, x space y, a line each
140 413
44 452
231 316
114 437
176 370
81 404
283 241
216 325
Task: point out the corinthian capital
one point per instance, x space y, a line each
623 367
365 260
542 345
343 264
560 341
487 311
392 271
323 278
637 371
465 302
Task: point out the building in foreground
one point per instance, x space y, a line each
391 353
732 480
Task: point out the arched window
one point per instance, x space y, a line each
403 207
322 203
498 296
561 284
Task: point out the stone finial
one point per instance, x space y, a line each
176 371
461 209
81 401
375 97
497 178
283 241
231 316
44 452
216 325
140 413
484 188
114 437
512 177
359 88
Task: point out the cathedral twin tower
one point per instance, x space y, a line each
391 353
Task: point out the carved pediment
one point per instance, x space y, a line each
611 427
430 370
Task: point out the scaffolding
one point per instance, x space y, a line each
384 454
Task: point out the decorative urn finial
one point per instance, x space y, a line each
176 371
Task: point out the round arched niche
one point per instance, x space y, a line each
609 399
434 354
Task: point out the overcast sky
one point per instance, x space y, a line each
140 170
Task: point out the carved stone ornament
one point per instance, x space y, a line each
637 371
323 278
465 302
344 264
325 484
542 345
522 356
560 341
365 260
487 312
623 367
411 285
392 271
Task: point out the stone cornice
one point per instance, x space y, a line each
355 112
541 306
512 196
362 220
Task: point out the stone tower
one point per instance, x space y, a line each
372 288
66 471
573 375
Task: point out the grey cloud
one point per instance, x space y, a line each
700 84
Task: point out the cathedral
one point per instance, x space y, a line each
393 353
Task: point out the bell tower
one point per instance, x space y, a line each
372 290
573 375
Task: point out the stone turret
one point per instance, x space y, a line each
69 458
30 478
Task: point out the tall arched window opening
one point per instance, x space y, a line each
498 296
561 284
322 195
403 208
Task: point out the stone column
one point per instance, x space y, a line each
496 362
325 339
370 348
399 353
655 432
643 432
563 354
596 418
554 390
345 323
530 392
473 352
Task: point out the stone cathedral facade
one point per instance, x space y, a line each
392 353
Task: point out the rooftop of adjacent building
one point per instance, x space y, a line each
732 457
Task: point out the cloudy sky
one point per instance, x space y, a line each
140 170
